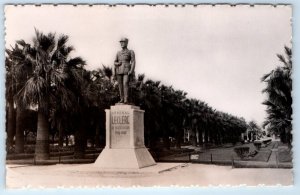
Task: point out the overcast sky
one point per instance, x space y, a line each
216 54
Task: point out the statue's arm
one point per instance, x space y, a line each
117 63
114 72
132 62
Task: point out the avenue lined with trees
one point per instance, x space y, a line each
50 93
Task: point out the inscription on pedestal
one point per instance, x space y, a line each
120 129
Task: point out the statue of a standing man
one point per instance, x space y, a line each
124 68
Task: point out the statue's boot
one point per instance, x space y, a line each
126 100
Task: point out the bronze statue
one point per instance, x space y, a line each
123 68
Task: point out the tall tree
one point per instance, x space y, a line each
10 91
279 97
18 70
48 57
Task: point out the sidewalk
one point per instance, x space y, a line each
193 174
273 162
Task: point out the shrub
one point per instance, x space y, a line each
242 152
267 141
257 145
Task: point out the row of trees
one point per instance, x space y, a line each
42 80
279 98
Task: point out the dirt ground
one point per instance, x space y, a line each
75 175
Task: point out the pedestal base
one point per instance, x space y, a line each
125 148
127 158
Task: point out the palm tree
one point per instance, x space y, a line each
10 91
103 93
173 112
18 70
254 128
37 89
65 102
189 122
279 100
147 95
48 57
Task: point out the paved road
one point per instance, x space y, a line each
193 174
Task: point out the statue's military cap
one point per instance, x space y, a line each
123 39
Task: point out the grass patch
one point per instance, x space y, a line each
89 158
19 156
285 155
263 156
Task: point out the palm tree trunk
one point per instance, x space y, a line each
165 136
42 140
200 130
53 138
166 141
80 143
194 136
60 136
206 135
97 136
178 136
209 135
11 125
19 131
66 140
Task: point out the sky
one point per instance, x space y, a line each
216 54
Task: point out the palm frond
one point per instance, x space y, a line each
76 62
141 77
281 58
62 40
266 76
66 50
34 91
107 71
21 42
66 98
58 77
288 51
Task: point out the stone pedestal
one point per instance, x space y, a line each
125 147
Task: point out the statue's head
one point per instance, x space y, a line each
124 42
